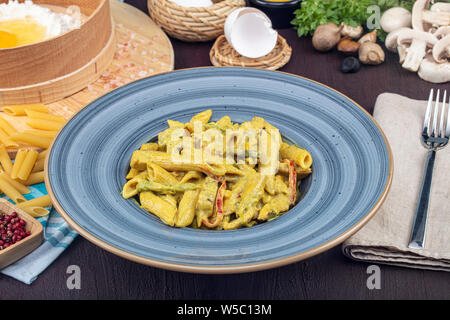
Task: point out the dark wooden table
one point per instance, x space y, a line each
329 275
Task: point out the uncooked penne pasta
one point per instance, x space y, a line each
45 116
20 157
16 184
11 192
33 140
6 126
42 133
36 212
43 154
27 165
34 178
6 140
43 201
39 165
5 160
44 124
19 110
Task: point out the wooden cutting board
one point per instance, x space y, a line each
143 49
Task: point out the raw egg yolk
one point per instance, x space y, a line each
20 32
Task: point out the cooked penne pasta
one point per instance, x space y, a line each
16 184
44 116
39 165
34 178
200 175
44 124
11 192
33 140
27 165
159 207
19 110
6 140
5 160
20 157
43 201
36 212
5 126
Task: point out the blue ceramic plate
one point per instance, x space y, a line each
90 158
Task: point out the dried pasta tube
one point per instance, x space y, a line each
34 178
28 165
45 116
44 124
6 140
39 165
5 160
36 212
42 154
5 126
19 110
42 133
16 184
20 157
33 140
43 201
11 192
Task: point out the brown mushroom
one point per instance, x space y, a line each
326 36
351 32
371 53
348 46
371 37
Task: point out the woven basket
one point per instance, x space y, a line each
222 54
192 23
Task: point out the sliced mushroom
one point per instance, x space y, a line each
418 42
395 18
441 50
391 39
434 72
440 7
441 32
424 19
351 32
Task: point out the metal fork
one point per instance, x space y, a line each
433 139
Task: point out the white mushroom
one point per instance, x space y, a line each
418 42
441 32
351 32
395 18
441 50
440 7
424 19
391 44
434 72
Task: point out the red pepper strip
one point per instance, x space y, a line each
219 208
292 180
210 174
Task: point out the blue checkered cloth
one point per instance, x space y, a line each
57 237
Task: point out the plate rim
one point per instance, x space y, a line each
251 267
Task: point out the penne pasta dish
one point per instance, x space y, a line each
217 175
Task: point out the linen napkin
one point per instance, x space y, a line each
385 238
57 237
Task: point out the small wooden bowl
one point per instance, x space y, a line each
192 24
25 246
53 69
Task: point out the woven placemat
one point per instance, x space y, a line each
222 54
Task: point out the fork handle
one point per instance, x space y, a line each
421 215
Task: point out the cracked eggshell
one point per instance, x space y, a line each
249 31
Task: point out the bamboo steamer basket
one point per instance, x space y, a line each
53 69
192 23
